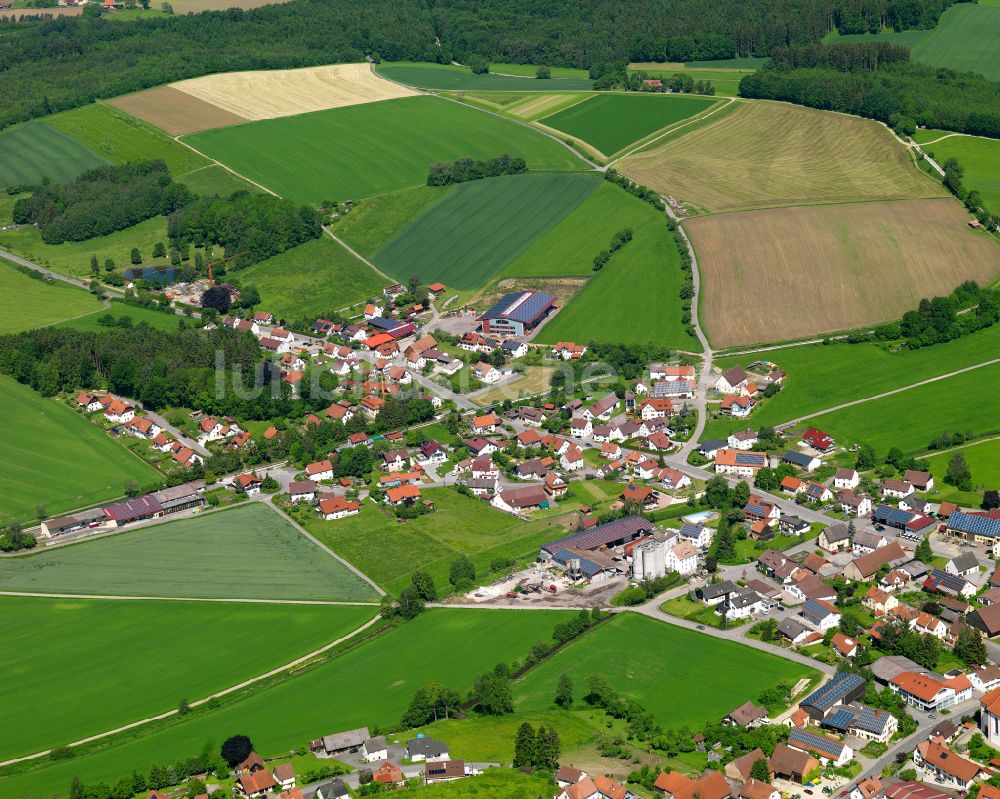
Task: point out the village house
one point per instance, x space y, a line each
835 538
855 504
943 765
336 507
249 483
117 411
581 428
142 427
572 459
744 440
846 478
319 471
302 491
739 464
921 481
803 460
520 500
736 406
567 350
485 372
818 440
732 381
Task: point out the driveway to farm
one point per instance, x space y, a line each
793 422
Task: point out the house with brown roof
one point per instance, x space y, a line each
943 765
755 789
739 768
256 784
746 715
584 789
793 764
866 567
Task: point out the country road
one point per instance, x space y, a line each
45 271
705 380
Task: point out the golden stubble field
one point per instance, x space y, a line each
232 98
786 273
762 154
266 94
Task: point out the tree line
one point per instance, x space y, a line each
54 64
466 169
101 201
897 92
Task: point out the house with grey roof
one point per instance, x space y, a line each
426 749
966 563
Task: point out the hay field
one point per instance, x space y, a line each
175 112
764 154
267 94
57 11
779 274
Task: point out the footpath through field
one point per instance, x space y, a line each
792 422
176 711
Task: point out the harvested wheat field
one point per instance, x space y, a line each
175 112
788 273
764 154
266 94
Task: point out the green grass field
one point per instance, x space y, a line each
26 302
390 552
34 150
73 257
425 75
370 684
247 552
162 653
611 122
156 319
673 672
317 277
634 298
54 458
214 180
823 376
365 161
372 222
479 227
118 137
528 71
984 463
980 160
966 38
911 419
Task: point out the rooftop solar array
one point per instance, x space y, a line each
833 692
977 525
522 307
749 458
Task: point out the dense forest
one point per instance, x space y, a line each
101 201
256 226
61 63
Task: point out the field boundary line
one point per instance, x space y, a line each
528 125
218 694
229 169
325 548
684 123
884 394
225 600
356 254
960 447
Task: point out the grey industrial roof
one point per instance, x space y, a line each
626 529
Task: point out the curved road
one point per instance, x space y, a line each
705 379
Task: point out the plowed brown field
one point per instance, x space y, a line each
787 273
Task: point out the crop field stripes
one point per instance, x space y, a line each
726 104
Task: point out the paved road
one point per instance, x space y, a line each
705 381
793 422
47 272
162 422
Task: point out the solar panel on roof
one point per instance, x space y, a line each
977 525
833 692
748 458
841 720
